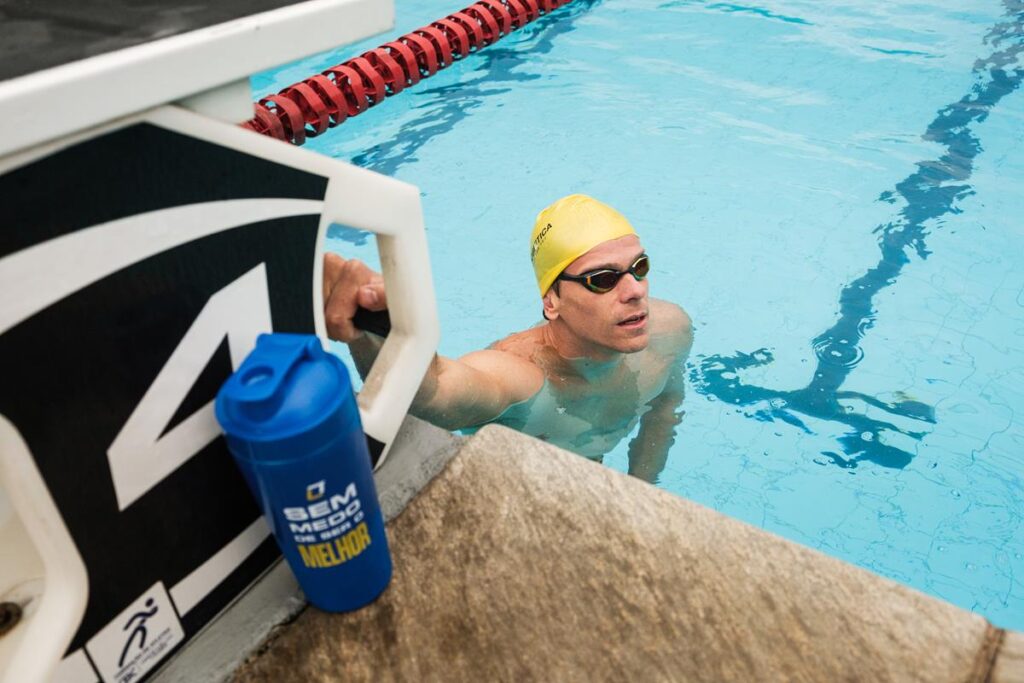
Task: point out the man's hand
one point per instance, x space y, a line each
349 284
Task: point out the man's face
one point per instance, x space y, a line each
615 320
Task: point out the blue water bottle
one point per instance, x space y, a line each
293 427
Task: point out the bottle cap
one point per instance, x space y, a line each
287 386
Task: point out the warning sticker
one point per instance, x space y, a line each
137 639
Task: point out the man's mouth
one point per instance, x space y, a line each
634 321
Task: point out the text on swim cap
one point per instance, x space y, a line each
538 241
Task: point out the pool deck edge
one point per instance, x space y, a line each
522 561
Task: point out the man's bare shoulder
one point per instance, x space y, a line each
509 362
671 325
667 317
522 345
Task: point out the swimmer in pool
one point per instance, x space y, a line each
606 357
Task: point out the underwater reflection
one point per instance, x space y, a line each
932 191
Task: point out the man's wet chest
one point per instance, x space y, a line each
612 402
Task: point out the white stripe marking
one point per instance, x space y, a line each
34 278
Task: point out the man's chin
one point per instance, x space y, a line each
635 344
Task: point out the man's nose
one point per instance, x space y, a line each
630 288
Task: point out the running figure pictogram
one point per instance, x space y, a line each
140 628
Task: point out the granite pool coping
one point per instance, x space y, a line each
522 561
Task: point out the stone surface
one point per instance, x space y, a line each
524 562
419 453
1009 664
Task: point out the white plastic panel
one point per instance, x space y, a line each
55 102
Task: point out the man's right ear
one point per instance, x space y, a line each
551 304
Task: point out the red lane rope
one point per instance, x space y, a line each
308 108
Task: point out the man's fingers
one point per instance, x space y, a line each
372 297
339 298
333 268
338 312
347 285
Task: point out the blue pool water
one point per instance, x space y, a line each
833 192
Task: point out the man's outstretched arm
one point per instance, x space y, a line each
454 393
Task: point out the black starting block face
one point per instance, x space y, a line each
138 267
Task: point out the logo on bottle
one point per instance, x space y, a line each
315 491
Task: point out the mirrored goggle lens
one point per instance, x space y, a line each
641 267
604 281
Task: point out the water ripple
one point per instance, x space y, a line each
837 352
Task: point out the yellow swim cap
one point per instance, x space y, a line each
568 229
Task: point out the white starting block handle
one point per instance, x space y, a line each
31 651
390 209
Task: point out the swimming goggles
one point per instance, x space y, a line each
604 280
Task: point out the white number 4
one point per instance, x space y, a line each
139 457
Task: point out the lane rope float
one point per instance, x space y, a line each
325 100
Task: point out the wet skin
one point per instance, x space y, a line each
581 380
589 406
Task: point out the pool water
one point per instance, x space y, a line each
831 190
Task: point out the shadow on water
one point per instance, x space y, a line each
929 193
447 105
